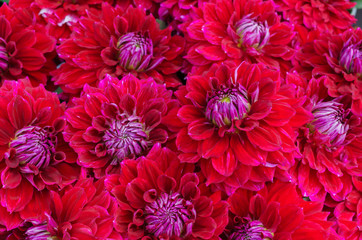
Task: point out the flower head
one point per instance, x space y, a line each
24 46
324 16
238 30
121 119
337 56
34 156
274 212
329 146
159 197
131 43
239 121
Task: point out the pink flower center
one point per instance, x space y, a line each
39 232
227 105
330 118
170 216
252 33
35 147
247 229
126 138
135 51
351 58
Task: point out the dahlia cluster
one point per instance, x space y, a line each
180 119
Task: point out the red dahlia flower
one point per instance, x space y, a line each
81 212
33 155
276 212
330 145
121 119
240 30
328 16
24 46
340 58
59 16
118 42
240 121
161 198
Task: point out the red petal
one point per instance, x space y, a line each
213 53
214 146
200 130
10 178
189 113
203 206
204 227
89 59
214 32
16 199
73 202
31 59
51 176
5 28
226 164
20 112
245 153
7 132
265 138
148 169
331 182
166 183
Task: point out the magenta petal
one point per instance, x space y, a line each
19 111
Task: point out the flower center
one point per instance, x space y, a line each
34 146
247 229
227 105
39 232
170 216
252 33
351 58
126 139
135 51
330 118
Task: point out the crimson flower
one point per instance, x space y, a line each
118 42
33 155
79 212
240 30
121 119
276 212
337 56
24 46
161 198
320 15
329 143
59 16
241 122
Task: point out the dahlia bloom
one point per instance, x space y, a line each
59 16
79 212
118 42
325 16
329 144
24 46
338 56
239 30
241 122
161 198
276 212
33 155
121 119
